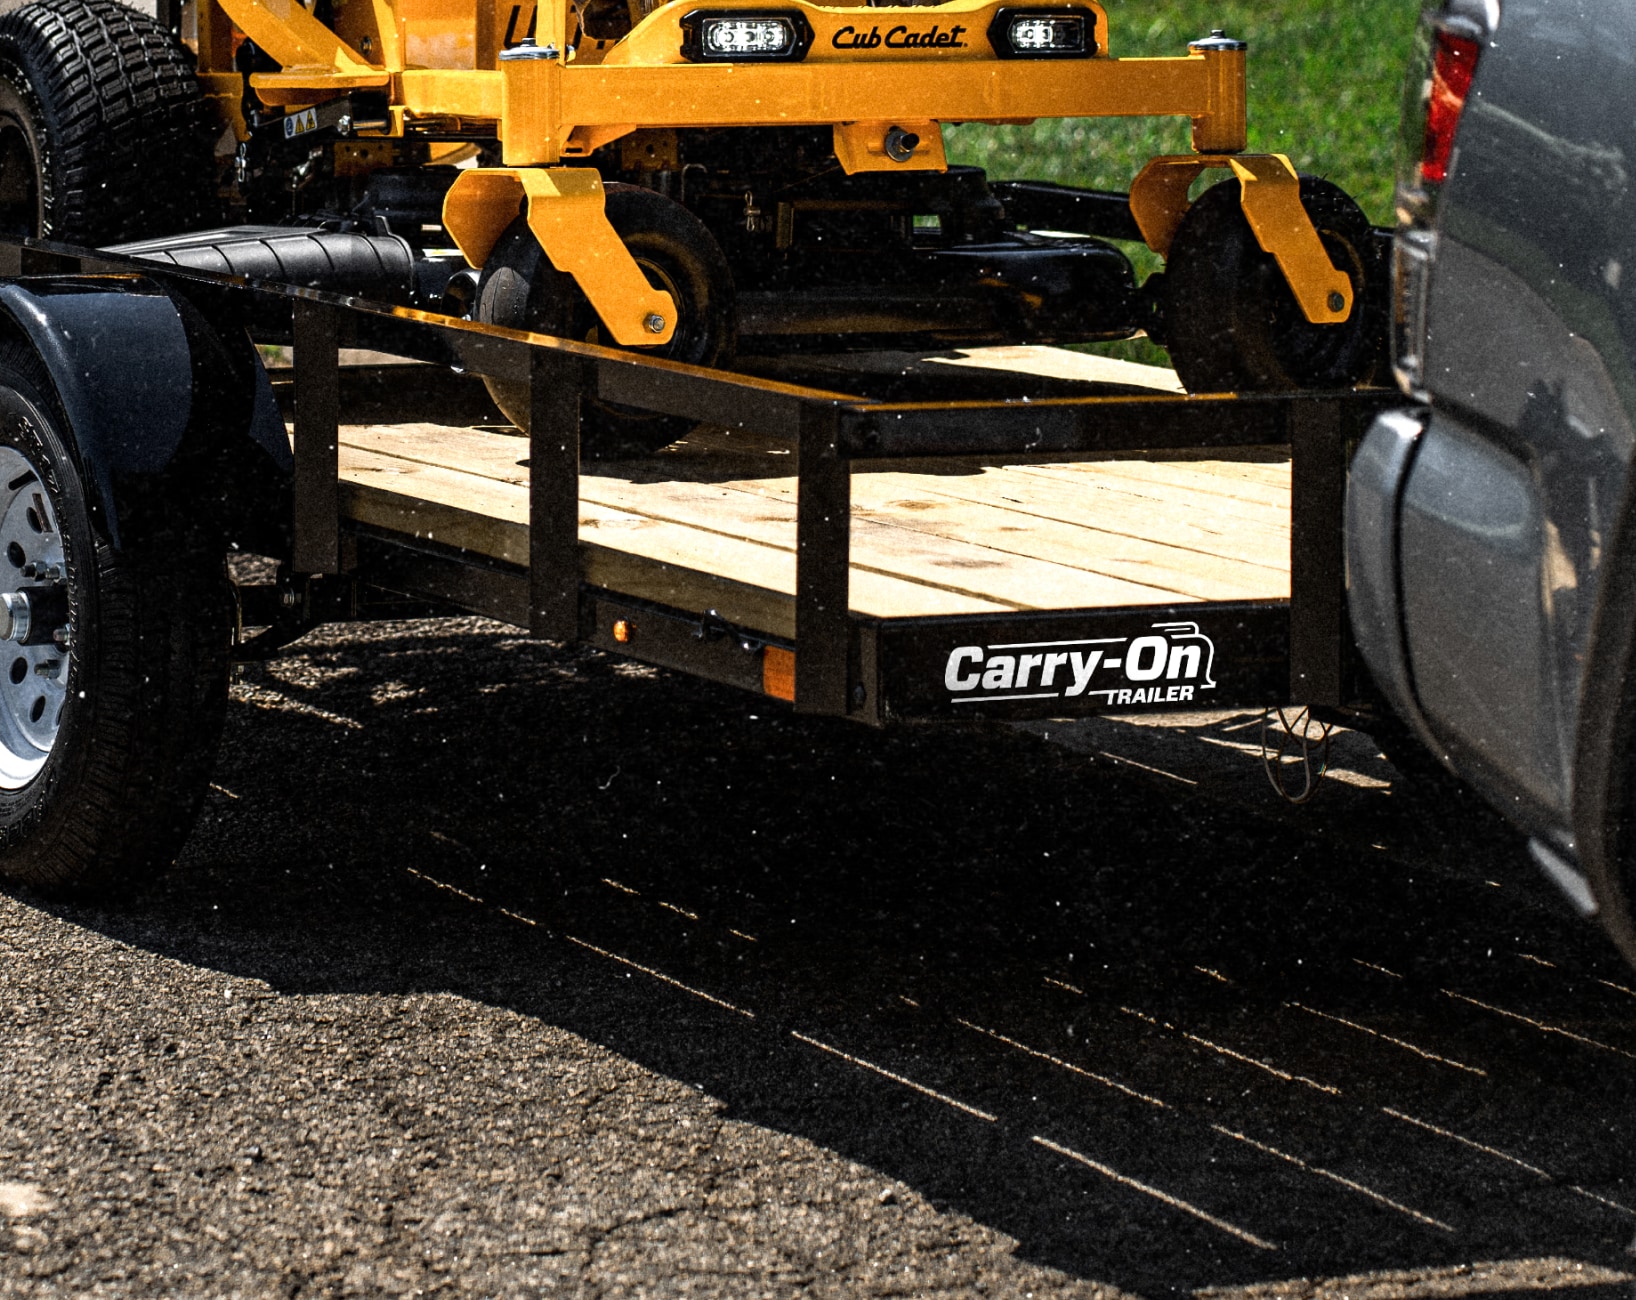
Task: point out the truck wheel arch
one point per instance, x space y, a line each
1604 755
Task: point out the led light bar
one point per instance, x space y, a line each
745 36
1043 33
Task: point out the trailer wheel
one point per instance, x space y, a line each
521 289
1230 320
104 135
112 696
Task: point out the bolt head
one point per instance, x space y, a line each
1337 302
655 323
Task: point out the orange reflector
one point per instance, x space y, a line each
621 631
778 673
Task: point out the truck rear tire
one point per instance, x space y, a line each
104 136
520 288
1230 320
108 720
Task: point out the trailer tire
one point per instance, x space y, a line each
100 783
520 288
1230 320
104 134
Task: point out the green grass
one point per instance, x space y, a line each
1324 81
1324 86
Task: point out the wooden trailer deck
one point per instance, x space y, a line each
710 523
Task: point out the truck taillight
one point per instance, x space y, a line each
1454 60
1452 37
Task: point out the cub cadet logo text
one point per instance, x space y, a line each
1178 664
898 38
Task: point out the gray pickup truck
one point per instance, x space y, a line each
1491 557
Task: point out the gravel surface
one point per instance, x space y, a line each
498 971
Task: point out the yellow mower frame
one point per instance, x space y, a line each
445 65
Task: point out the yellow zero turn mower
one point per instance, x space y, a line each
699 178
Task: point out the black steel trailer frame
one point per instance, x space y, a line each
1243 654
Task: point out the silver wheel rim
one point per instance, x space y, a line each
33 678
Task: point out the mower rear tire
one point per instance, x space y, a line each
104 133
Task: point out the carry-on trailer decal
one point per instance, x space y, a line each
977 673
1061 663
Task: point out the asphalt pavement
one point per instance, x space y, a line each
496 970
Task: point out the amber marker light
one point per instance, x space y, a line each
778 673
623 631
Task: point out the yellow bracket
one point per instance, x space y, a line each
1270 192
295 39
885 147
566 213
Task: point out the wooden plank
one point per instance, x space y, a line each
499 456
745 581
1262 482
1059 363
1189 574
1116 531
1215 478
1186 525
1162 496
765 513
920 503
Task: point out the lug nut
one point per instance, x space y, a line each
655 323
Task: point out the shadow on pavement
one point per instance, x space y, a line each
1164 1044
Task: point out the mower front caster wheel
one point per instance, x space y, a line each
1230 320
520 288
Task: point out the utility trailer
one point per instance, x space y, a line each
1017 547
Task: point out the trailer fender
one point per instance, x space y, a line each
162 405
565 210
